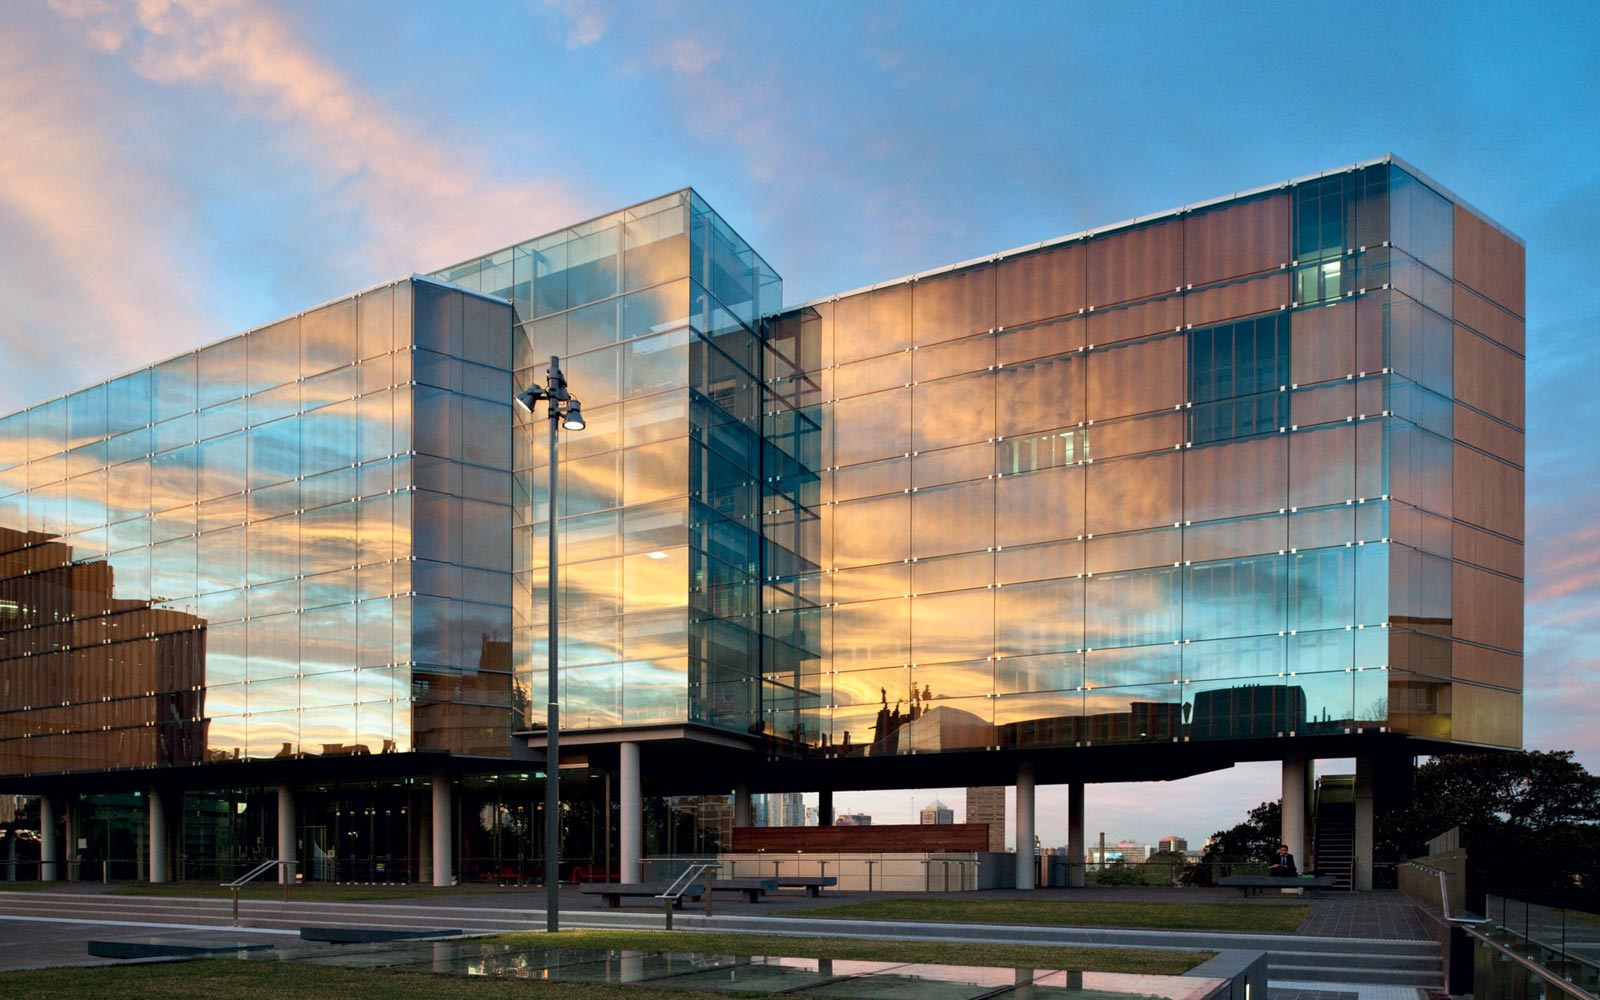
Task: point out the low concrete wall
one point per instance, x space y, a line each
1245 971
862 872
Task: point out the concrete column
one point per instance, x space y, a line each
1361 870
1026 864
1294 806
422 823
630 821
825 807
287 849
69 838
11 854
1075 834
49 846
443 862
156 803
742 811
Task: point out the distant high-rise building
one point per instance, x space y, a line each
988 805
1176 845
780 809
937 812
852 819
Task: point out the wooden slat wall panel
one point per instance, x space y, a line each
1137 378
1231 480
1241 298
1489 435
1323 347
1489 319
1487 607
1236 240
1473 545
1136 263
1132 493
1484 715
1041 285
1111 326
1488 493
954 305
1489 261
1489 377
1487 666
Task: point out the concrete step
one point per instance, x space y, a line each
1374 977
1343 962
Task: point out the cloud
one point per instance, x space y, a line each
586 21
406 190
94 237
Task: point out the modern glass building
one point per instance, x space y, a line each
1240 481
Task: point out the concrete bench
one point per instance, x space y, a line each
1251 885
613 893
812 884
752 888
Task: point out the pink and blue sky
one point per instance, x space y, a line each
174 171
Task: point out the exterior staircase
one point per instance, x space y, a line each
1335 844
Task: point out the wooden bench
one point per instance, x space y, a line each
812 884
613 893
1251 885
752 888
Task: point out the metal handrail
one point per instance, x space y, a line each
680 885
1444 897
1562 985
255 873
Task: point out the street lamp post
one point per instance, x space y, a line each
567 412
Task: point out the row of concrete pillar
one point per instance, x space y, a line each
438 864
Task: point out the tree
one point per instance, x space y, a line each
1529 820
1254 840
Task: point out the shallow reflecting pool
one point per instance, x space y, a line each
839 979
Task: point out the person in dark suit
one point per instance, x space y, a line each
1283 863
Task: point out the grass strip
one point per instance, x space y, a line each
1263 917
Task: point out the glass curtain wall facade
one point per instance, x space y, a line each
655 312
289 543
1252 469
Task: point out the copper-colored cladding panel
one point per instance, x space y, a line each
1487 492
1323 347
1040 395
1037 562
1136 378
1041 285
1480 548
1132 493
1370 324
1040 340
1133 550
1137 435
1236 299
1489 261
1488 666
1487 607
1256 536
952 519
1136 263
1040 506
953 305
872 323
1241 238
1489 377
1111 326
1489 435
1322 466
1489 319
1232 480
1485 716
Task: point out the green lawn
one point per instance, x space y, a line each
1145 960
28 886
311 892
1269 917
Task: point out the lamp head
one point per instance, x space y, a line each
573 420
525 400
